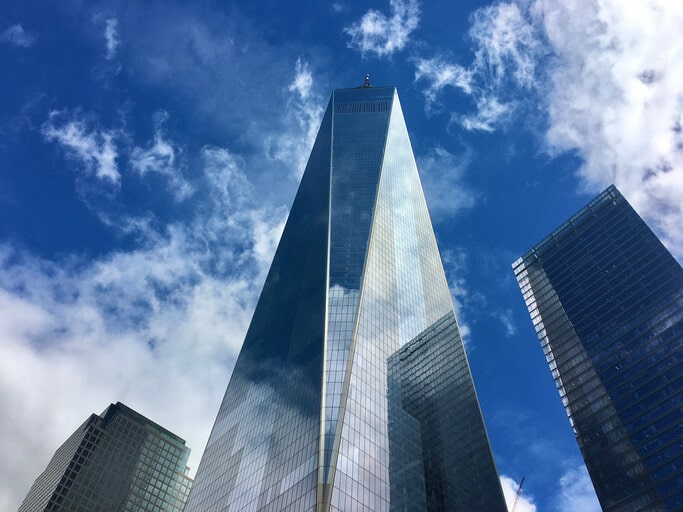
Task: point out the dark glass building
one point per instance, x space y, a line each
119 461
606 300
352 391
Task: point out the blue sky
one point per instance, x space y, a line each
149 152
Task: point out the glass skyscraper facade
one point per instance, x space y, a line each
119 461
606 300
352 391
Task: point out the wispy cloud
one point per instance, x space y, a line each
505 52
111 37
215 67
107 156
303 80
577 492
524 503
232 194
505 44
339 7
490 115
161 157
382 35
17 36
465 299
93 148
608 79
303 115
439 74
442 178
505 318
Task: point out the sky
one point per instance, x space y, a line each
150 151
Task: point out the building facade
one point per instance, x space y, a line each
606 300
119 461
352 391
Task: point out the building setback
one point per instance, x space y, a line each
606 300
352 391
119 461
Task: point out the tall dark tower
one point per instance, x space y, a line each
352 390
606 299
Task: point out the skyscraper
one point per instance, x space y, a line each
119 461
352 390
606 300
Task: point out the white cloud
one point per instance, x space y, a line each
160 156
93 148
506 45
383 35
232 204
229 187
608 76
17 36
97 151
442 174
576 492
505 318
303 80
455 263
490 115
505 52
304 113
111 37
439 74
615 94
524 503
233 213
93 345
119 326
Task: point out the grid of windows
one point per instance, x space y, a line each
435 404
43 488
361 106
404 291
305 421
357 153
606 300
118 461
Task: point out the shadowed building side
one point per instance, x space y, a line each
606 299
435 430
